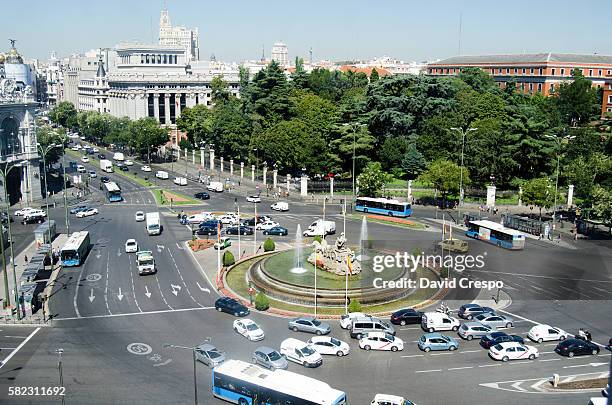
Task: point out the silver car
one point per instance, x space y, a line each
209 355
269 358
495 320
309 324
471 330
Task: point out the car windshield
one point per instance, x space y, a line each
274 356
307 351
498 347
214 354
316 322
389 336
252 327
335 341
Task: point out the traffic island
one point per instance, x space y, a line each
392 221
165 198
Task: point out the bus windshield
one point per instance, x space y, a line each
69 255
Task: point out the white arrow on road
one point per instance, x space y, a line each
175 288
587 365
179 246
147 293
98 255
91 296
120 296
202 288
517 386
119 252
160 247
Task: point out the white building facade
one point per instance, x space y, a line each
280 54
179 37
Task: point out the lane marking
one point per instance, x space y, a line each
16 337
203 272
428 371
14 352
489 365
161 292
460 368
161 311
133 288
106 284
539 276
519 317
414 355
549 360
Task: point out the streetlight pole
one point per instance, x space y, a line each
64 181
43 152
60 368
558 141
195 376
463 133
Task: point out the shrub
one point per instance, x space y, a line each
228 258
354 306
318 238
262 303
269 245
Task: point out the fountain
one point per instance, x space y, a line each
297 258
363 240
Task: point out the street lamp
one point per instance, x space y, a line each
354 129
463 133
44 151
256 162
195 378
559 141
60 368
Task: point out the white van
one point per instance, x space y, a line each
385 399
162 175
301 353
215 186
435 321
118 156
180 181
280 206
321 228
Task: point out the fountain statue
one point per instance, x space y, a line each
337 259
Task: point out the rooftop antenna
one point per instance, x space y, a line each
460 26
263 53
310 55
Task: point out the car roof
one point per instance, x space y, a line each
432 335
247 321
376 333
130 240
497 334
470 306
474 324
207 347
265 349
506 345
320 338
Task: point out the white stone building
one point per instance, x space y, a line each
179 37
280 54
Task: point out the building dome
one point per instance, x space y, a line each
2 57
13 56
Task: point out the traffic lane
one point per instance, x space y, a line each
18 345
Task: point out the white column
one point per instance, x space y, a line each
265 175
185 149
331 186
570 196
212 160
221 160
190 101
288 182
241 170
167 108
231 167
252 172
202 157
409 191
304 186
177 105
193 156
520 197
274 175
490 196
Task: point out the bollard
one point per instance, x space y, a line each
555 380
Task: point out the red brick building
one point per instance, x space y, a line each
539 72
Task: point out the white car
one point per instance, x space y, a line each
88 212
329 345
139 216
128 163
35 212
280 206
146 168
84 159
180 181
92 174
24 211
249 329
381 341
254 199
347 320
76 147
264 226
81 169
131 246
543 333
513 351
385 399
96 150
229 218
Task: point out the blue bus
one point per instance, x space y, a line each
496 234
113 192
244 383
75 250
383 206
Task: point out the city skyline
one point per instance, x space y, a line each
335 33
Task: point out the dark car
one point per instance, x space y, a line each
251 221
231 306
78 209
124 168
210 223
6 218
104 179
469 311
493 338
33 219
206 230
101 156
277 230
244 230
576 347
406 316
202 195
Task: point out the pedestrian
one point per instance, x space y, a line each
26 259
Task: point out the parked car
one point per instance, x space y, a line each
469 311
360 326
437 341
131 246
211 223
542 333
276 230
206 230
493 338
23 211
209 355
347 319
309 324
576 347
202 195
329 345
301 353
86 213
269 358
471 330
77 209
81 169
249 329
254 199
5 217
385 399
146 168
381 341
435 321
406 316
229 219
513 351
495 321
244 230
231 306
224 242
128 162
266 225
139 216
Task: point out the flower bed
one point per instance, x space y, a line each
200 244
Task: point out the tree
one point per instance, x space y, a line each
477 79
230 129
372 180
269 245
197 122
354 306
392 151
602 205
219 87
228 258
374 76
147 135
347 139
577 100
64 114
539 192
118 132
269 95
299 79
413 162
262 303
445 176
46 137
184 144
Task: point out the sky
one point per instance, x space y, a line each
236 30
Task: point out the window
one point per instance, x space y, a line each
609 99
530 86
590 72
507 71
524 70
531 71
539 86
562 72
515 70
540 71
552 71
599 72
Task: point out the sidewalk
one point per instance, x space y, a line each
20 266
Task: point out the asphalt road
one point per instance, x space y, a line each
112 323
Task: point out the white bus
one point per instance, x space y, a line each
247 384
75 250
496 234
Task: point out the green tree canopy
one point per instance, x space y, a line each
539 192
445 176
372 180
63 113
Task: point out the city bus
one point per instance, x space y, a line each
75 250
113 192
244 383
383 206
496 234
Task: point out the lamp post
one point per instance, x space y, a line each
43 152
63 145
463 133
559 141
353 127
256 162
60 369
195 377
